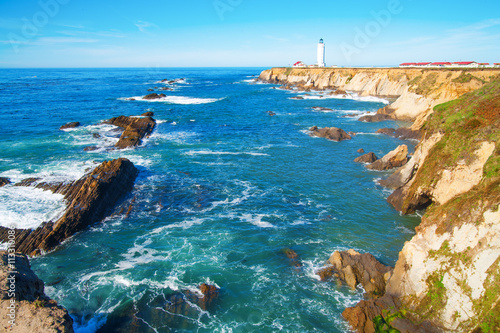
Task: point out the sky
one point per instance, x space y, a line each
245 33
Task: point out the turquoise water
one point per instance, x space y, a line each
223 188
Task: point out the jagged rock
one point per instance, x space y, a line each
177 311
374 118
394 159
148 114
151 89
361 150
70 125
354 268
327 273
403 133
135 129
90 148
366 158
320 108
27 182
339 92
154 96
89 200
293 257
34 311
297 97
4 181
330 133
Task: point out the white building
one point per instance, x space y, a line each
321 54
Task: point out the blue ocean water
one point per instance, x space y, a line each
223 188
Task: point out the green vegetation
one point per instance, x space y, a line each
348 79
288 71
489 306
423 86
466 78
39 303
383 323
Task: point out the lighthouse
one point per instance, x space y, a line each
321 53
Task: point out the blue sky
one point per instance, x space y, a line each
198 33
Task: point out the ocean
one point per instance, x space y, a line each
224 187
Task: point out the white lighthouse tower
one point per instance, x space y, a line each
321 53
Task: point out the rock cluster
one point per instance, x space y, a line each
34 311
366 158
154 96
4 181
89 199
330 133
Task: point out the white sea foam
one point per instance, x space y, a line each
352 96
184 225
257 220
28 207
183 100
210 152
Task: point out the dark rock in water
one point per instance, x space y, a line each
394 159
366 158
271 113
27 182
96 135
327 273
89 200
320 108
293 257
148 114
166 89
354 268
4 181
339 92
70 125
151 89
154 96
387 131
35 311
374 118
361 150
135 129
330 133
403 133
297 97
90 148
177 311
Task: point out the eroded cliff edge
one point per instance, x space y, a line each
416 91
447 277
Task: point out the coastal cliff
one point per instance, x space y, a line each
415 91
447 276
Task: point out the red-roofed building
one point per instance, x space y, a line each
465 64
422 64
299 64
483 64
440 64
497 64
407 64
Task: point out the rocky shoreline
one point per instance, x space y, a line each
446 277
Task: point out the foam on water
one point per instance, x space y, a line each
28 207
182 100
210 152
352 96
257 220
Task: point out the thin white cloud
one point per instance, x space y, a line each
143 26
476 26
278 39
64 40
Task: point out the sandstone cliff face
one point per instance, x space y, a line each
447 277
417 91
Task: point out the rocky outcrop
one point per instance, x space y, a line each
374 118
366 158
23 301
354 268
446 277
70 125
330 133
154 96
393 159
416 91
4 181
293 257
178 311
88 199
135 129
403 133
